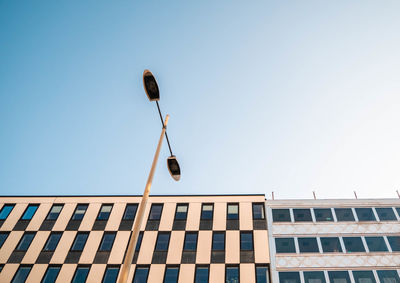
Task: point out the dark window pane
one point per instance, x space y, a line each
51 274
155 212
130 211
162 242
139 241
171 274
388 276
364 277
52 242
285 245
218 241
22 274
233 211
314 277
301 215
107 242
258 211
331 245
207 211
376 244
339 277
80 241
385 214
81 274
398 210
262 274
289 277
29 212
344 214
365 214
281 215
232 274
105 212
141 275
190 242
5 211
54 212
394 242
3 238
308 245
80 212
201 274
25 241
181 211
353 244
111 275
323 214
246 241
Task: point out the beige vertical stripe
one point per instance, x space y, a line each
204 247
66 273
39 217
261 252
8 272
217 273
186 273
63 247
193 219
175 247
115 217
96 273
91 247
10 244
147 247
232 252
36 273
247 273
246 216
64 217
156 273
36 247
90 217
219 216
119 247
167 217
14 216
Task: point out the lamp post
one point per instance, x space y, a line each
152 91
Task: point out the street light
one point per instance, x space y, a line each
153 93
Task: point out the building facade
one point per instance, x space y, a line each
337 241
221 238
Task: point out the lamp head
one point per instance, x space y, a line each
150 86
173 168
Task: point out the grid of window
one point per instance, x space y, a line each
54 212
281 215
139 241
285 245
30 212
308 245
6 210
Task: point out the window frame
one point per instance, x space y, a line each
158 237
49 213
336 272
151 208
30 266
102 240
358 212
202 210
280 221
227 210
392 239
26 210
184 241
141 266
336 209
76 208
109 213
317 219
234 266
88 266
305 209
252 240
201 266
171 266
59 266
370 244
12 205
109 266
5 239
176 211
292 240
379 211
73 242
262 265
311 239
254 204
314 271
354 237
212 240
126 208
22 238
48 239
338 241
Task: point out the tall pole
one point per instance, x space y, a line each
126 267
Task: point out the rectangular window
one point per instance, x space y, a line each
353 244
388 276
376 244
262 274
246 241
207 211
344 214
51 274
111 274
80 241
79 212
3 238
233 211
52 242
302 214
107 241
139 241
81 274
308 245
54 212
25 241
385 214
190 241
181 211
331 245
6 210
141 273
365 214
314 277
258 211
339 276
394 242
285 245
398 210
323 214
364 276
105 212
22 274
231 274
171 274
162 242
30 212
218 241
201 274
130 211
155 211
281 215
289 277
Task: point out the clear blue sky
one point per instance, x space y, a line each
284 96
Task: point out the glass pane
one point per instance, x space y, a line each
246 241
364 277
232 274
181 211
105 212
331 245
289 277
171 275
233 211
301 215
80 275
190 242
107 242
323 214
139 241
314 277
285 245
388 276
218 243
54 212
398 210
339 277
3 238
52 242
80 212
162 242
22 274
79 242
308 245
353 244
130 212
5 211
51 274
394 242
207 211
281 215
376 244
111 275
155 212
29 212
365 214
25 241
385 214
141 275
344 214
261 274
258 211
201 274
